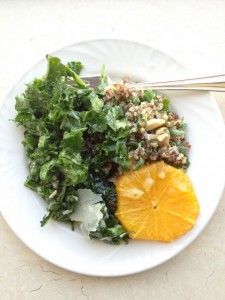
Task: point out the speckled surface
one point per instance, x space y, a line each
191 31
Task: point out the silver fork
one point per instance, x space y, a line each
214 83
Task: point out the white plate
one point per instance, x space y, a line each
23 209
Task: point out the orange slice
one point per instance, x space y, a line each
157 202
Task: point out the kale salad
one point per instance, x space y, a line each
79 140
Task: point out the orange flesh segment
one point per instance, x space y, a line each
157 202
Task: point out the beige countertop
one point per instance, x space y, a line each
193 32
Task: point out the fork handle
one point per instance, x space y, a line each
210 83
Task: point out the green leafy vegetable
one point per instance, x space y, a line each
166 103
176 132
61 117
149 95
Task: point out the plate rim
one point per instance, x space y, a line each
218 112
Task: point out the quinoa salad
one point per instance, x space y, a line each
156 132
79 140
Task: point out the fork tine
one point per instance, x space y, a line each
92 81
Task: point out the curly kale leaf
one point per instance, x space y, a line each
71 140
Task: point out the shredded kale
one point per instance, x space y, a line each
70 139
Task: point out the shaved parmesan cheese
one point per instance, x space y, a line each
88 210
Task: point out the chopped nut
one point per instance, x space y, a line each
163 136
154 123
